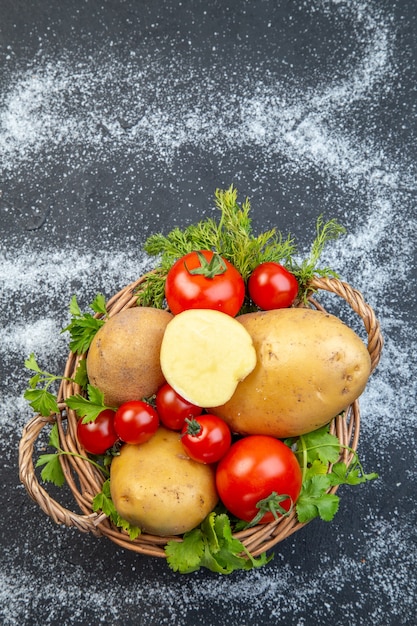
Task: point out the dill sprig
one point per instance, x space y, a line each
304 272
233 238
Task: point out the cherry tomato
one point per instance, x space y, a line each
136 421
272 286
173 408
98 436
204 280
255 467
206 438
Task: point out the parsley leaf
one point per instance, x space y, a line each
319 453
52 471
41 400
185 556
212 546
88 408
350 475
83 327
318 445
314 500
81 377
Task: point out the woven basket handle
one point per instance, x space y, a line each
60 515
357 303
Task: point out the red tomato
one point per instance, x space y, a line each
255 467
206 438
173 408
204 280
136 421
98 436
271 286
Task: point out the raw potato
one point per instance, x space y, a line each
157 487
310 367
123 358
204 354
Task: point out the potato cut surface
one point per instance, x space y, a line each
205 354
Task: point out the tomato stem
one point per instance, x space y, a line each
271 504
210 269
193 427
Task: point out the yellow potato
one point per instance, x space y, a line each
310 366
157 487
204 354
123 358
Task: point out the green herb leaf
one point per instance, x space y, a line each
88 408
98 305
133 531
52 471
81 377
32 364
350 475
213 547
325 232
319 455
54 437
83 327
41 401
321 445
103 502
314 500
74 308
185 556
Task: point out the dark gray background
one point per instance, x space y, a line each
119 119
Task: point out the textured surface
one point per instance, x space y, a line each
119 119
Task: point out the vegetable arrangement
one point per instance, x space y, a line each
207 407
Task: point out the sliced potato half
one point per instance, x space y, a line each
205 354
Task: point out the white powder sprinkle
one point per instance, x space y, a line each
167 111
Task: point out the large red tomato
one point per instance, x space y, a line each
254 468
204 280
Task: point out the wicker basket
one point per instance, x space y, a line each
85 481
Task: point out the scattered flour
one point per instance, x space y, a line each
163 113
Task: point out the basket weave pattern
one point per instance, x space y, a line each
85 480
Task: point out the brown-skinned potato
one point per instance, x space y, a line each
156 486
310 367
123 358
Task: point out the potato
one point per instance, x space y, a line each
123 358
157 487
310 366
204 354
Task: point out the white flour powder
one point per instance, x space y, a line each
165 109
